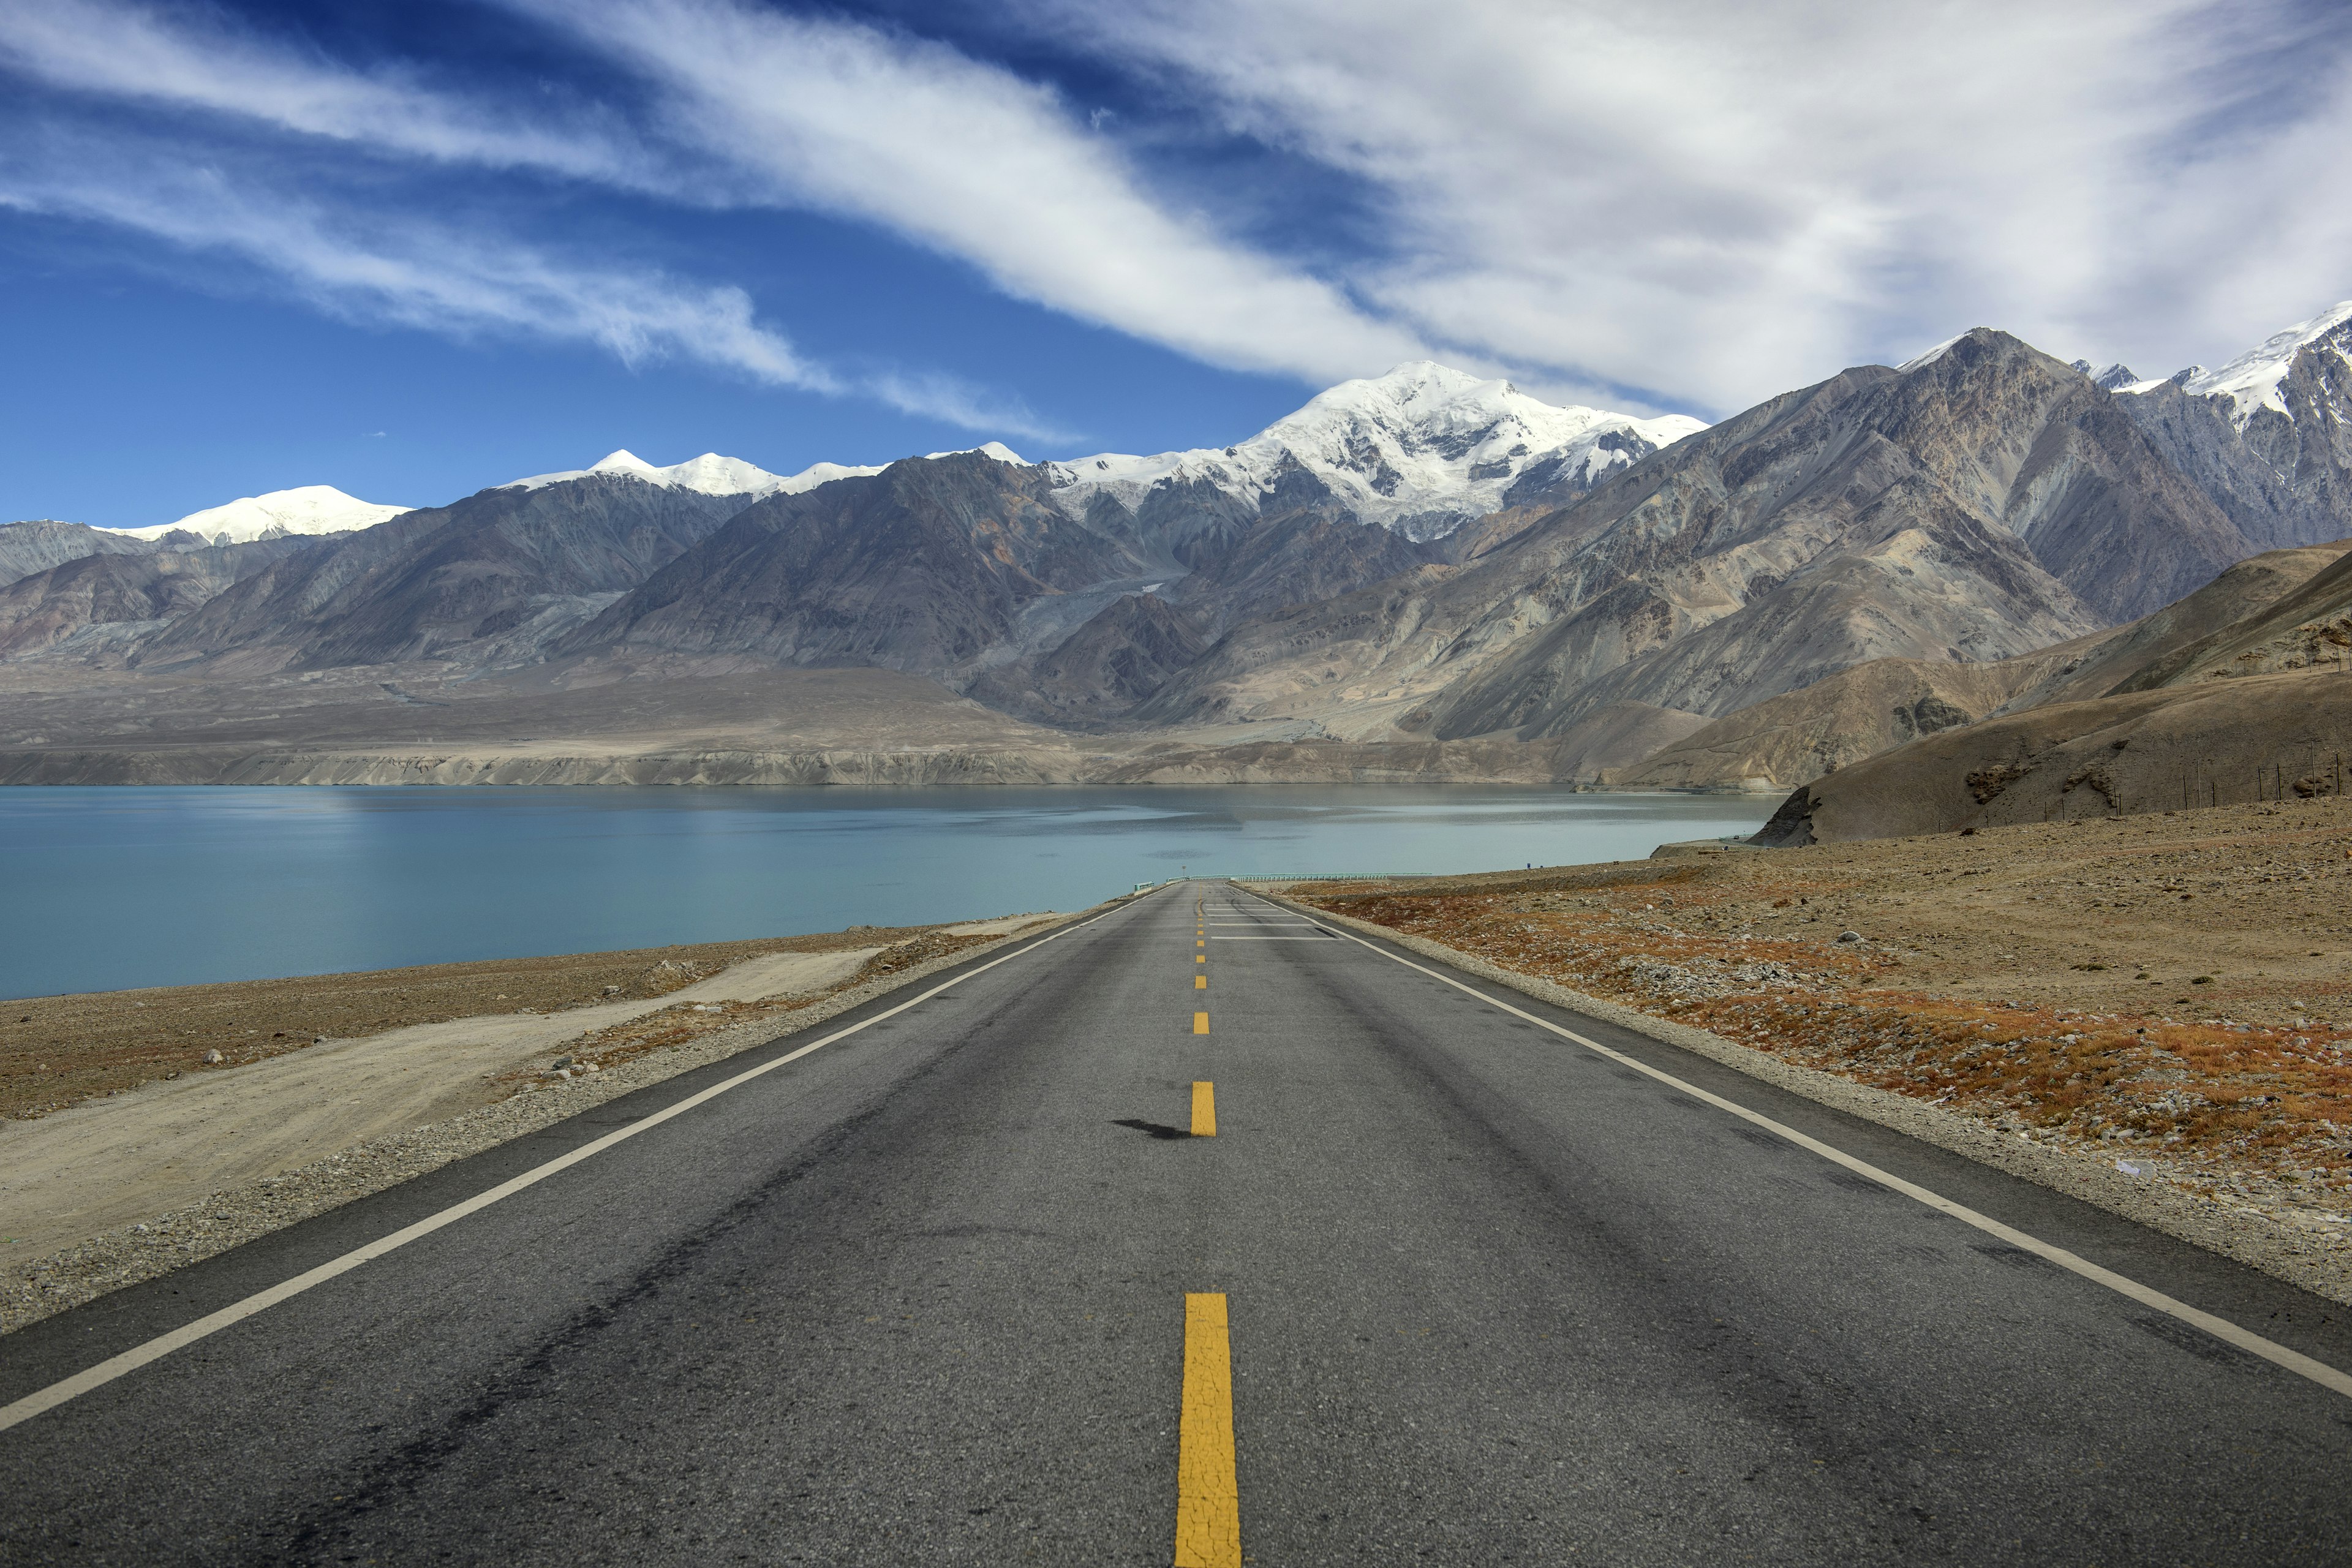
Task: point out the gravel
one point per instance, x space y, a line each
136 1253
2299 1252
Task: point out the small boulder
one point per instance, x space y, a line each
212 1059
1849 936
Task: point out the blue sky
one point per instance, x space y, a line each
410 248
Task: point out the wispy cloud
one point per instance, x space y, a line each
375 261
200 61
448 281
1719 200
1697 203
972 161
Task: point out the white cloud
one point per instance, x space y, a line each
1702 201
972 161
195 61
450 281
1722 200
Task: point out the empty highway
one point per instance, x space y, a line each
1196 1232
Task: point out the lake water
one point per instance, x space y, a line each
110 888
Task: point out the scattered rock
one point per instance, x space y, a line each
1849 936
212 1059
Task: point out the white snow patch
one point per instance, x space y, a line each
1421 449
2251 380
1931 356
710 474
308 509
996 450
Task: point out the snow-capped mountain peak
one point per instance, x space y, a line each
2251 380
306 509
1421 449
710 474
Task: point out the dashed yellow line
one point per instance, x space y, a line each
1200 983
1204 1110
1200 1023
1202 959
1208 1496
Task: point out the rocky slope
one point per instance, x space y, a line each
1419 562
2259 708
98 606
487 580
1983 503
1887 703
37 544
2269 434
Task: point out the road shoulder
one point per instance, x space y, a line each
2316 1263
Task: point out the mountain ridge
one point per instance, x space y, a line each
1421 564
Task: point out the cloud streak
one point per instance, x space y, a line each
972 161
1721 200
182 61
460 284
1694 205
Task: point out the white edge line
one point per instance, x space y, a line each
2221 1329
139 1355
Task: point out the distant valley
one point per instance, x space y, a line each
1423 575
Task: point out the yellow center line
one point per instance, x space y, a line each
1202 959
1204 1110
1208 1497
1200 983
1200 1023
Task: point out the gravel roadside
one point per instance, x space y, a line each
2316 1259
130 1255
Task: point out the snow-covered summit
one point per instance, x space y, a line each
1421 449
308 509
2251 380
710 474
716 476
2118 375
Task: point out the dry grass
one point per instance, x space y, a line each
2050 979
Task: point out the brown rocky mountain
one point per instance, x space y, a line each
1425 563
40 543
1885 703
485 580
2268 437
2258 708
927 566
102 604
971 570
1981 504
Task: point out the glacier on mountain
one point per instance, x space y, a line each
710 474
1420 450
2251 380
306 509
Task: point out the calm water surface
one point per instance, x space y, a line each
107 888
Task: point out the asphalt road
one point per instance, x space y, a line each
920 1297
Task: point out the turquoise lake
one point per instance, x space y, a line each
111 888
